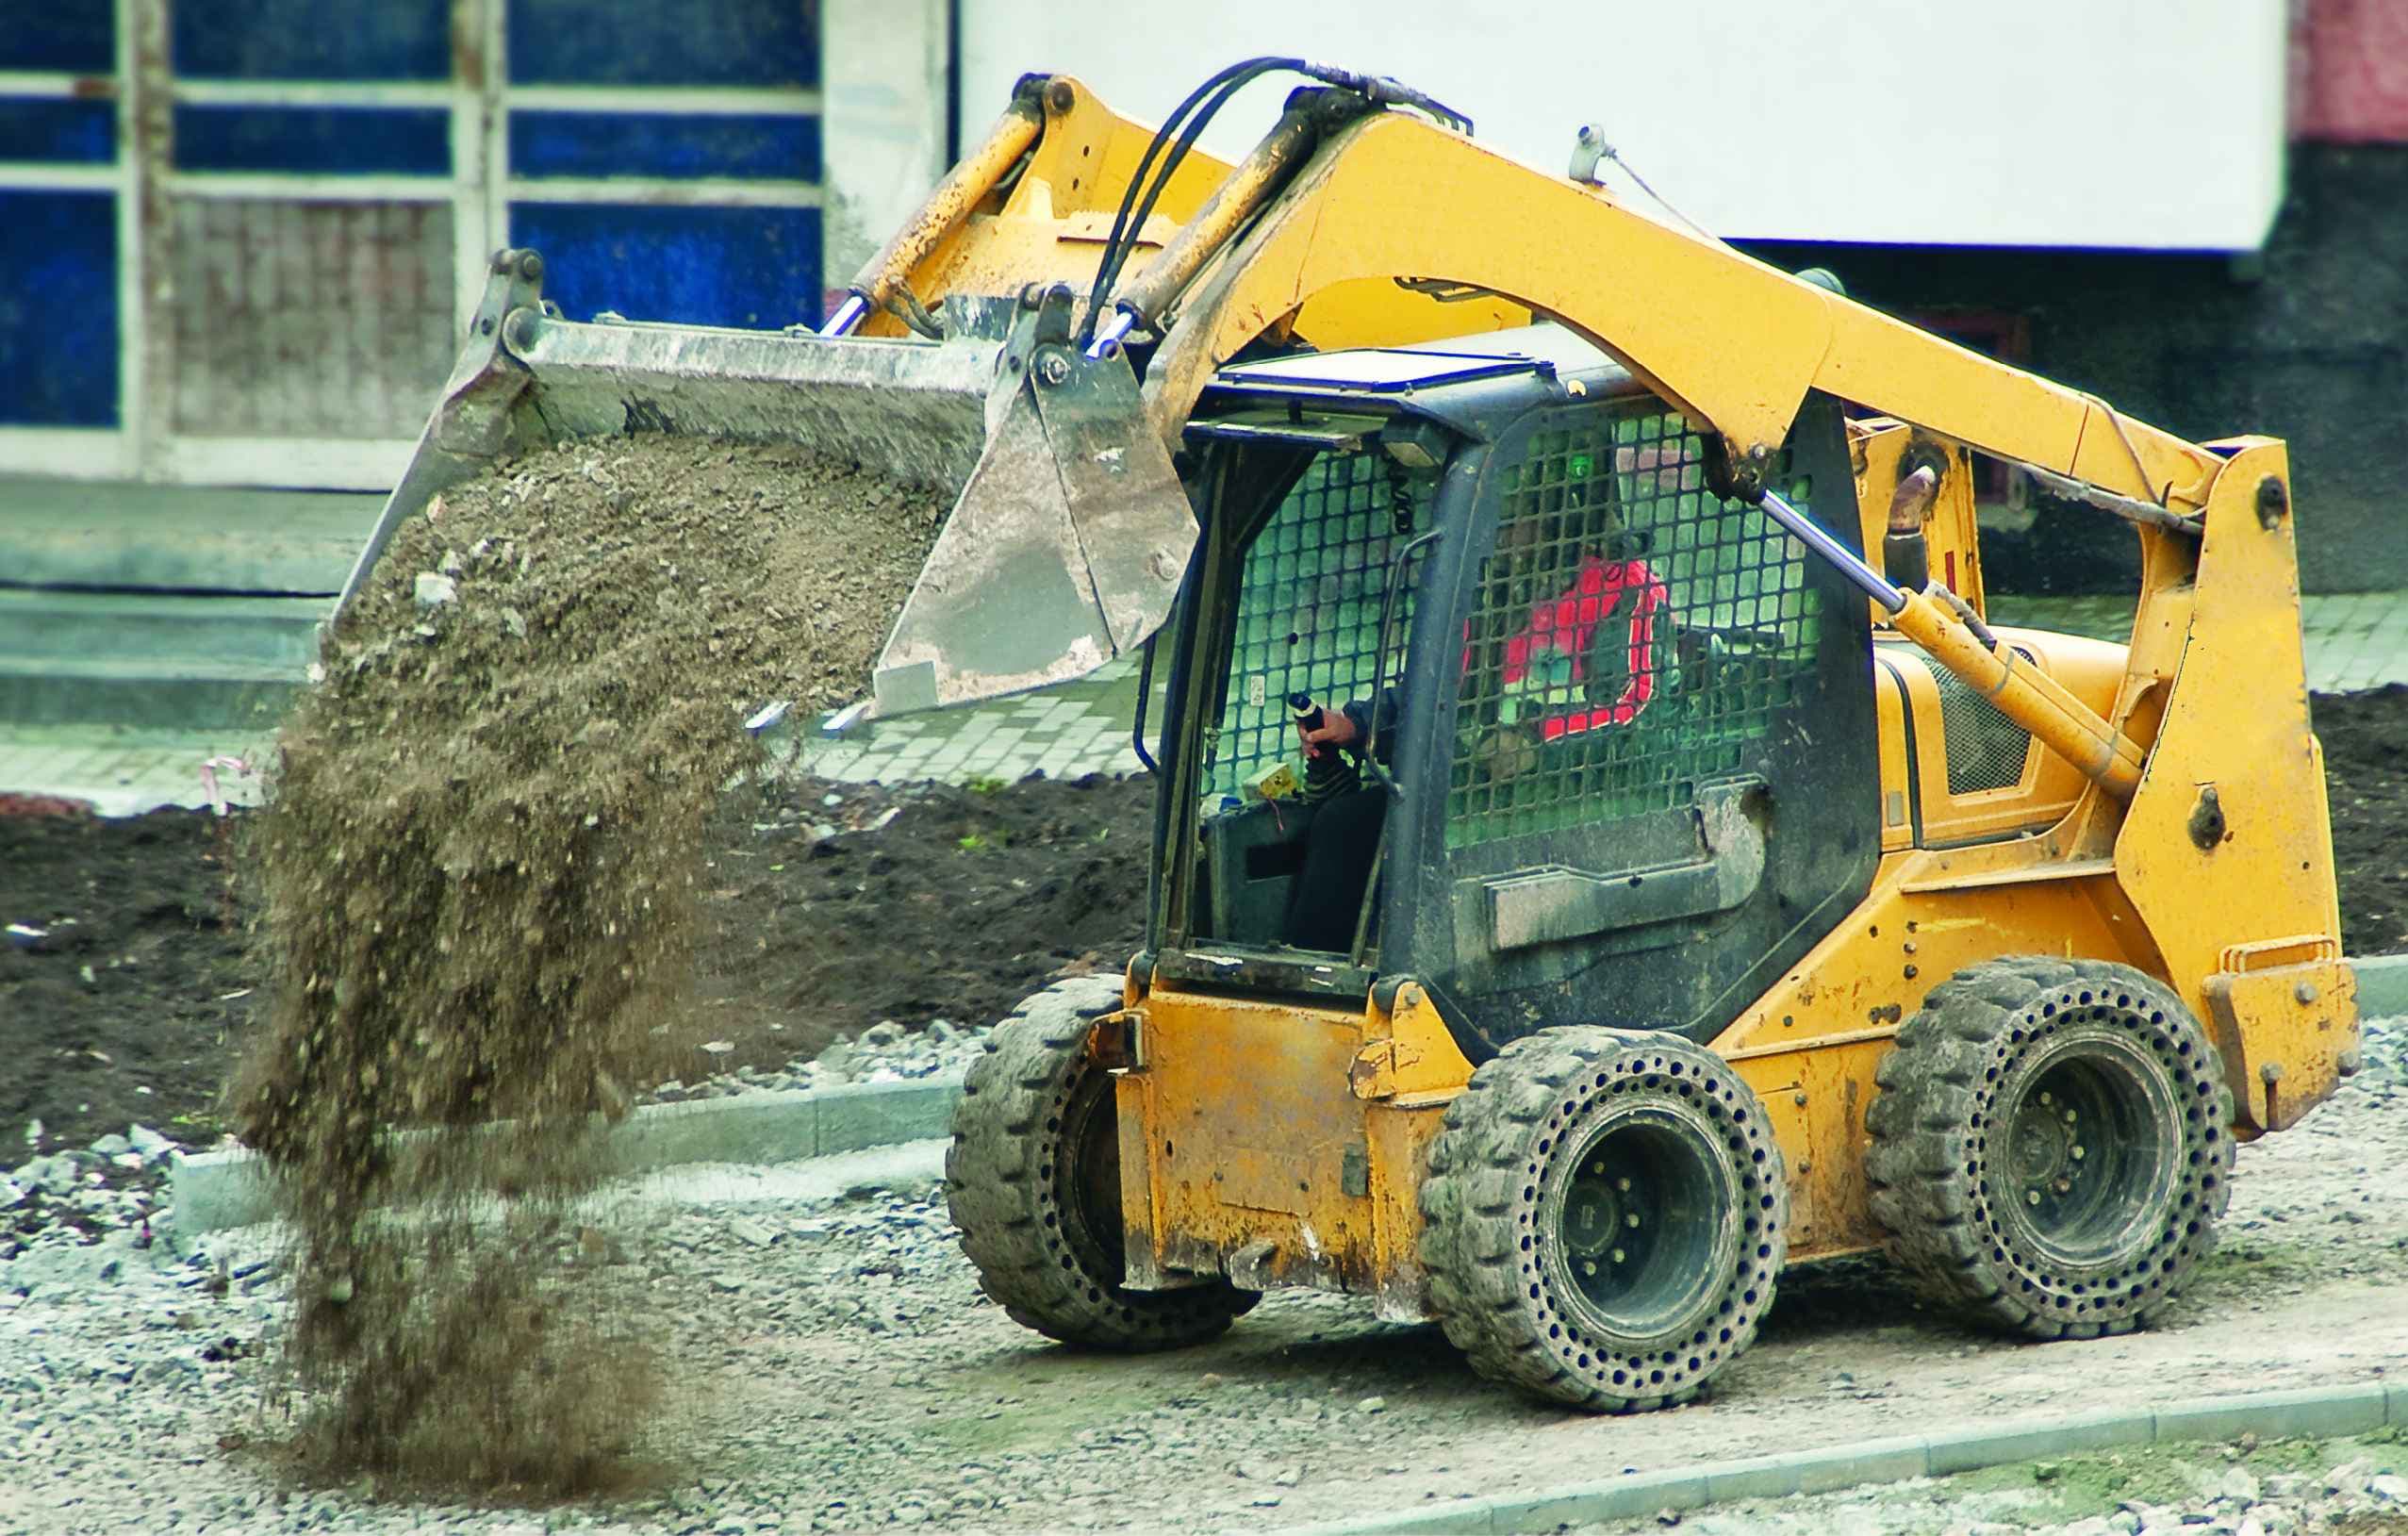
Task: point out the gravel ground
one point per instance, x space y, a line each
837 1369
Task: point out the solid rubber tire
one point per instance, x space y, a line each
1005 1176
1483 1208
1930 1168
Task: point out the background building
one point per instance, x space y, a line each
238 237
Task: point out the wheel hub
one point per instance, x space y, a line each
1640 1216
2088 1142
2046 1149
1597 1211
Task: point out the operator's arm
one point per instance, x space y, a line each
1358 713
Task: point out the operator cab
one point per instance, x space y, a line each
1603 676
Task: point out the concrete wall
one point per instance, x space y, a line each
884 81
2308 342
2066 123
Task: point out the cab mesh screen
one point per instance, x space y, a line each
1307 612
1985 750
1631 634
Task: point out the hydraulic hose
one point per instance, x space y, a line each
1379 89
1227 83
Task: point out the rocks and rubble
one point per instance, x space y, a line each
82 1197
884 1053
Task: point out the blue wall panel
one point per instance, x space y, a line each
664 144
59 309
666 43
700 266
307 39
340 141
76 36
81 132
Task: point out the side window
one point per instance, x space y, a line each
1308 610
1630 635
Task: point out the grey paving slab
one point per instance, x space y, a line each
2354 640
2305 1411
2350 640
1966 1450
125 772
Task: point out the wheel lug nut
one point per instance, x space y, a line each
1630 1219
2031 1196
2064 1185
1589 1268
1598 1167
1617 1256
2044 1098
2069 1117
2077 1153
1623 1184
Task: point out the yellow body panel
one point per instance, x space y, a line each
2229 854
2091 671
1283 1144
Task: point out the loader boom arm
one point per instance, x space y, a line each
1733 343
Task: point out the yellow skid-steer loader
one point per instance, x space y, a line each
1725 892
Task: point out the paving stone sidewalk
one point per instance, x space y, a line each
2354 641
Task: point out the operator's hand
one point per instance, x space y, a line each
1337 729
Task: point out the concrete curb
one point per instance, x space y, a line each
2312 1412
217 1190
2383 984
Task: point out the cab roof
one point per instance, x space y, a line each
1472 383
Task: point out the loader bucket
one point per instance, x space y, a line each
1069 532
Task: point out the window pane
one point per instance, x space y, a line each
77 37
740 145
59 309
337 141
299 40
667 43
82 132
698 266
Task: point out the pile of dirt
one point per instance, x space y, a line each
2365 778
832 908
140 988
479 861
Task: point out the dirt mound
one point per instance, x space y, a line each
479 863
910 902
2366 775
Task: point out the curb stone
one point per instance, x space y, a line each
2317 1412
2383 984
216 1190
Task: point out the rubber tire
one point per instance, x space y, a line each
1006 1179
1958 1237
1482 1202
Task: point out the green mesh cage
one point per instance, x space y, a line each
1307 612
1631 633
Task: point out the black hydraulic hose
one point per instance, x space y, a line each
1117 257
1247 69
1145 694
1116 246
1378 89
